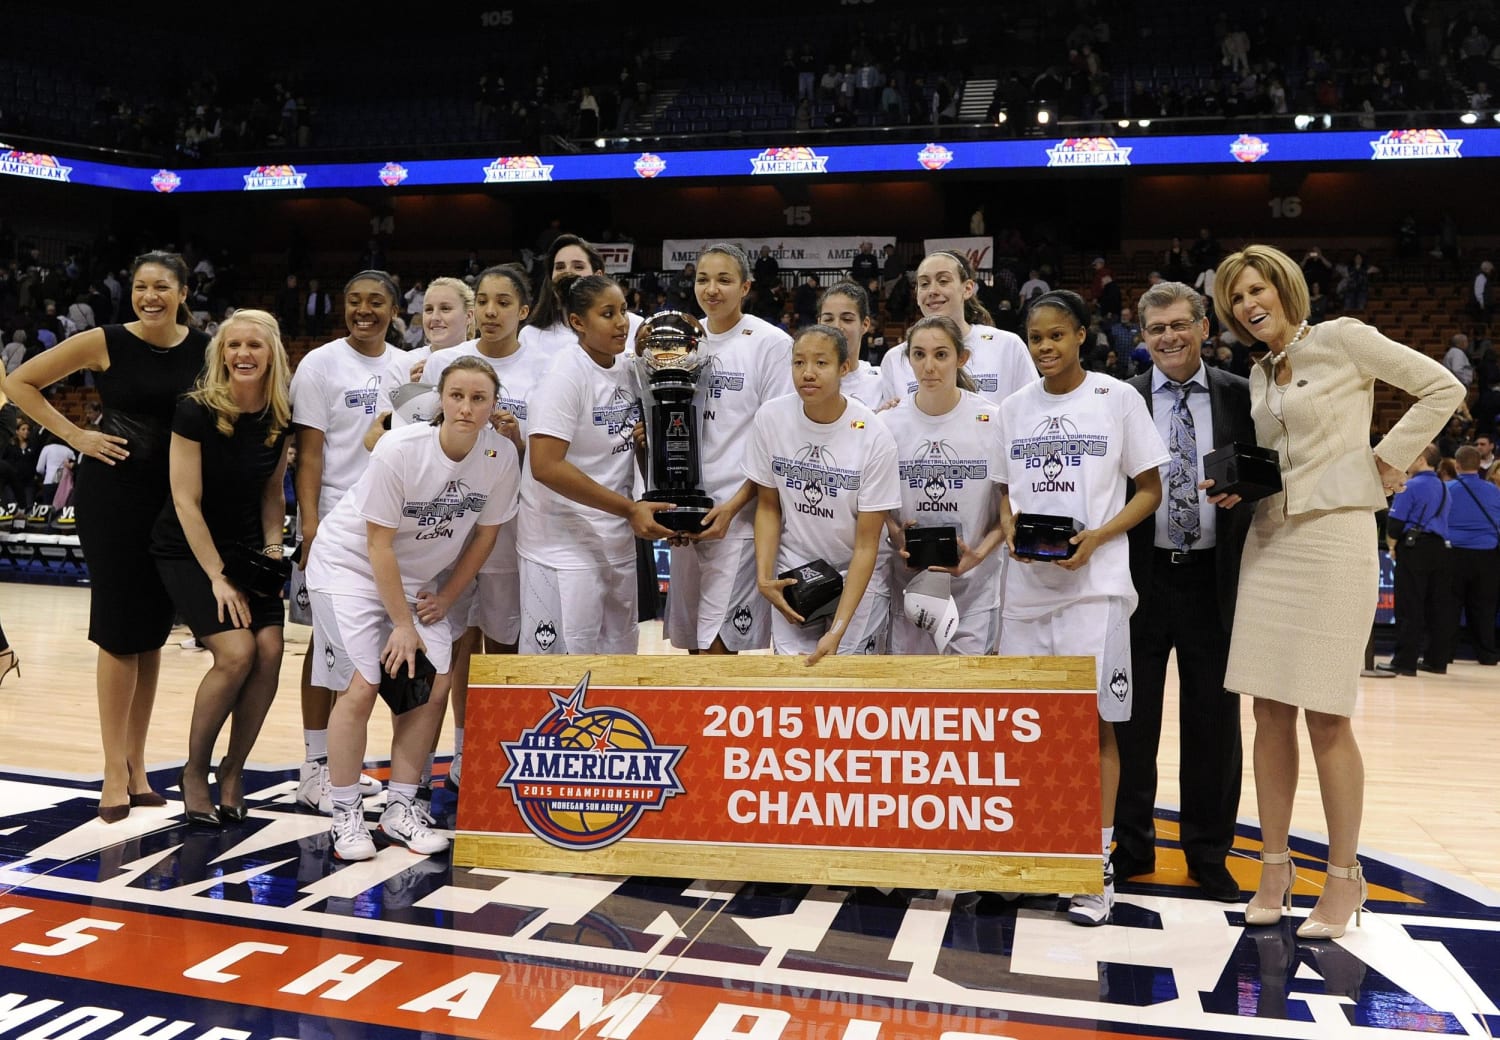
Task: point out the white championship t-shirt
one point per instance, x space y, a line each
559 336
594 409
336 389
432 502
946 466
519 375
999 364
1069 455
752 364
864 385
398 373
826 474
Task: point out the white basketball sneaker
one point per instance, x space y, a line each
401 824
351 838
312 788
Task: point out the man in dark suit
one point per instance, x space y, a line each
1185 563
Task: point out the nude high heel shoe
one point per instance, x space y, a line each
1311 929
1260 916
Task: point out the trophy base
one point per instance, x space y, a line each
687 515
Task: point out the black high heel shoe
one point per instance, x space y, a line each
231 813
195 818
14 666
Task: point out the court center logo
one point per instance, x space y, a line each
582 776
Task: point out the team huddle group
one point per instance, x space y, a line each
487 486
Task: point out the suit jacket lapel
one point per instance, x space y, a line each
1223 428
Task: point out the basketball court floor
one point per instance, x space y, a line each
152 929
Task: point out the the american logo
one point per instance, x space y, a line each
649 165
1248 148
274 178
392 174
582 776
934 157
34 164
1088 151
789 160
1416 144
165 181
512 169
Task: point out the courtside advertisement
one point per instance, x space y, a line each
583 766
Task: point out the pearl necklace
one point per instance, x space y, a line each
1302 330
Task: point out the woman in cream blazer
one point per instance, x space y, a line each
1308 580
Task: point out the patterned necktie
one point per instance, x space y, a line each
1182 474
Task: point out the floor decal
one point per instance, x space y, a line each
156 930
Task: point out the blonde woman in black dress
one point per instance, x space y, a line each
140 368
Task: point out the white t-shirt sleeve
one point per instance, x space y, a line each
776 367
505 499
382 491
756 463
558 405
1000 471
1143 444
312 401
890 373
880 485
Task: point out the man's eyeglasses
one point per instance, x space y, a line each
1182 328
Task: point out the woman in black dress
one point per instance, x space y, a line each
228 457
141 369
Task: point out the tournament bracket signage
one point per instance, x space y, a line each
965 773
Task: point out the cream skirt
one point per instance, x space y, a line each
1306 603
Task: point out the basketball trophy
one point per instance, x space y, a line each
666 370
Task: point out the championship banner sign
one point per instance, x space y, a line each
980 249
808 252
969 773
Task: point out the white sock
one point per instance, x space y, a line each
400 794
1107 837
316 742
458 740
346 799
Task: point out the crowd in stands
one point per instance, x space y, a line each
535 80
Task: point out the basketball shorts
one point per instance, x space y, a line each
1097 628
713 594
349 633
866 634
578 611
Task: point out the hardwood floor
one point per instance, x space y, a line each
1427 741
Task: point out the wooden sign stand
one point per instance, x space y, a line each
966 773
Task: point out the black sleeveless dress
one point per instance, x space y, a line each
116 506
